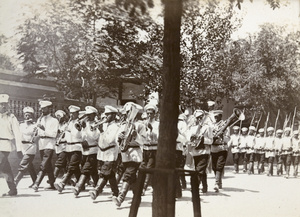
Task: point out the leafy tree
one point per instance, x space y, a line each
5 61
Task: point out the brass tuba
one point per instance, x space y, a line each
236 116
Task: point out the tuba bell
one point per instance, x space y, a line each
236 116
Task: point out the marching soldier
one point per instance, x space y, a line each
250 149
90 136
27 128
287 151
269 149
278 142
259 149
243 147
234 145
201 138
47 127
296 152
219 150
9 130
107 153
73 148
131 142
150 147
60 146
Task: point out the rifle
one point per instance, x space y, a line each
258 124
252 121
276 120
293 121
266 123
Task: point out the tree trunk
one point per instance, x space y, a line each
163 183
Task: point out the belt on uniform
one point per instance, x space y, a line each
73 143
92 146
46 137
105 149
150 144
4 139
133 146
26 142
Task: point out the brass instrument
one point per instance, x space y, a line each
81 122
198 141
35 132
236 116
129 128
62 134
96 124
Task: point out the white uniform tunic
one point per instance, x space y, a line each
28 129
152 136
73 137
286 145
206 131
92 137
222 145
47 137
108 143
234 143
296 146
9 131
259 144
61 147
278 143
182 135
250 144
269 147
243 143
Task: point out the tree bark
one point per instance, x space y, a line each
163 182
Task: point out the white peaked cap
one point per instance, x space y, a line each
110 109
90 110
60 113
4 98
270 129
244 129
252 128
28 110
210 103
45 103
198 112
73 108
235 127
151 106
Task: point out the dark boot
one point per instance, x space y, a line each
119 200
79 186
245 166
183 182
270 169
287 172
296 171
18 177
178 189
279 169
51 181
98 189
38 181
32 173
118 177
236 168
251 169
217 183
114 186
61 185
12 189
56 172
147 180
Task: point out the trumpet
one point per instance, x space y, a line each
62 134
81 123
97 124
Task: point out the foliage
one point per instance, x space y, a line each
5 61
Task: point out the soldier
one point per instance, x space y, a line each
243 147
287 151
278 142
60 145
90 136
219 150
259 150
150 147
250 149
131 142
107 153
9 131
28 128
296 152
73 148
234 143
201 138
269 149
47 127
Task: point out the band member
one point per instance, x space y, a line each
27 128
269 149
47 127
150 147
250 149
74 140
259 149
200 134
211 111
278 143
234 145
107 153
131 142
243 147
60 146
219 150
296 151
90 136
287 151
10 131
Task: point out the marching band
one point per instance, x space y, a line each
87 147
